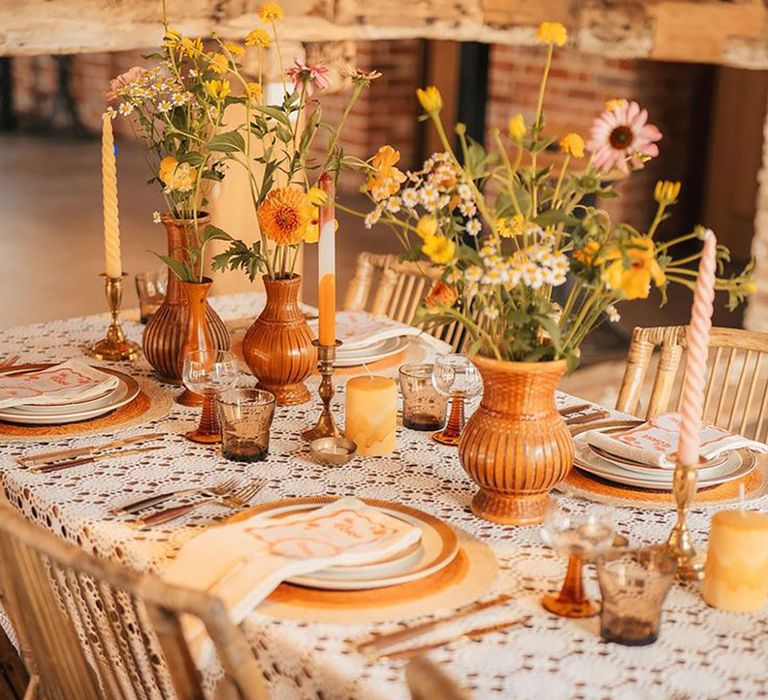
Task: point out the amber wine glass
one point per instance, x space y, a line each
208 372
456 377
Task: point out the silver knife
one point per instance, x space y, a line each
42 458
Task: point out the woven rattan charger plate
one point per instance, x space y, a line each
468 577
152 403
593 488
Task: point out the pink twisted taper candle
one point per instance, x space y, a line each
698 349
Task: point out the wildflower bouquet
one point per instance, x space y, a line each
529 269
282 189
177 108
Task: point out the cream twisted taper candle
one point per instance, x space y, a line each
113 266
698 349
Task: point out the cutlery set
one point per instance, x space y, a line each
593 415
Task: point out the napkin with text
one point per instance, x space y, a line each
70 381
359 329
246 560
655 442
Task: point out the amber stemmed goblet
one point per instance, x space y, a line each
581 537
208 372
455 377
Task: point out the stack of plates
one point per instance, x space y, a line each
75 411
594 460
436 549
379 350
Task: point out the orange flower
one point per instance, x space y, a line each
284 215
441 294
385 179
588 254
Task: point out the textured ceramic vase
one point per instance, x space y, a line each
166 331
278 346
516 446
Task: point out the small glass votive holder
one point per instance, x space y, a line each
634 584
150 288
246 418
423 407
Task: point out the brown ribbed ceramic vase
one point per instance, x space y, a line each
516 446
165 333
278 346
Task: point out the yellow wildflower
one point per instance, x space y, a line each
508 227
427 227
439 249
257 37
172 38
666 192
317 196
384 179
516 127
430 99
552 33
177 176
270 12
634 281
218 63
588 254
217 89
613 104
573 145
254 90
749 287
234 49
167 166
192 47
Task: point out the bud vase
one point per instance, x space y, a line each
198 336
516 446
278 346
166 331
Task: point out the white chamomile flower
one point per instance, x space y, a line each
473 273
491 313
164 106
193 73
560 264
429 195
468 208
110 112
613 315
373 217
156 217
410 197
464 191
125 108
394 204
453 277
473 227
443 201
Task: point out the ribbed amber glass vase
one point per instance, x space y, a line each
278 346
516 446
166 331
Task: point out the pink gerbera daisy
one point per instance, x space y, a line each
313 75
621 137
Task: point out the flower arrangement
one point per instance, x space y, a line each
284 195
528 268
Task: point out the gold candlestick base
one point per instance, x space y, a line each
690 564
325 426
114 347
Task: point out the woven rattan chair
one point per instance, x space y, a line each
398 289
737 389
91 629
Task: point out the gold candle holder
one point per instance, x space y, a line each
114 347
690 564
325 426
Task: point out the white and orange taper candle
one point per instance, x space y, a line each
113 265
698 349
326 261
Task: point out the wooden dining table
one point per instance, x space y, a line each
701 652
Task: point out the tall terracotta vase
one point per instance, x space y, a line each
166 331
198 335
516 446
278 346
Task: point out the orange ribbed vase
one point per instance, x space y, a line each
165 334
278 346
516 446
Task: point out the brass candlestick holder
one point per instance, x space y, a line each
690 564
114 347
325 426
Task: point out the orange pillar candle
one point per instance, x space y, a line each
736 573
326 258
371 415
113 266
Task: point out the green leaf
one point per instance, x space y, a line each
276 113
191 157
227 142
214 233
552 217
177 267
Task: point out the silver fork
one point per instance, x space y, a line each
220 489
234 499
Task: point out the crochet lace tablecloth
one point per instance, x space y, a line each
701 652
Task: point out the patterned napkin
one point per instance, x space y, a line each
69 381
655 442
359 329
246 560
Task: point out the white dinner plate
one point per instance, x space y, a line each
707 469
387 348
437 548
125 392
739 464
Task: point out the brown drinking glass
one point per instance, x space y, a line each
423 407
246 418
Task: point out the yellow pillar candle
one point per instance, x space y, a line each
113 265
736 573
371 415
